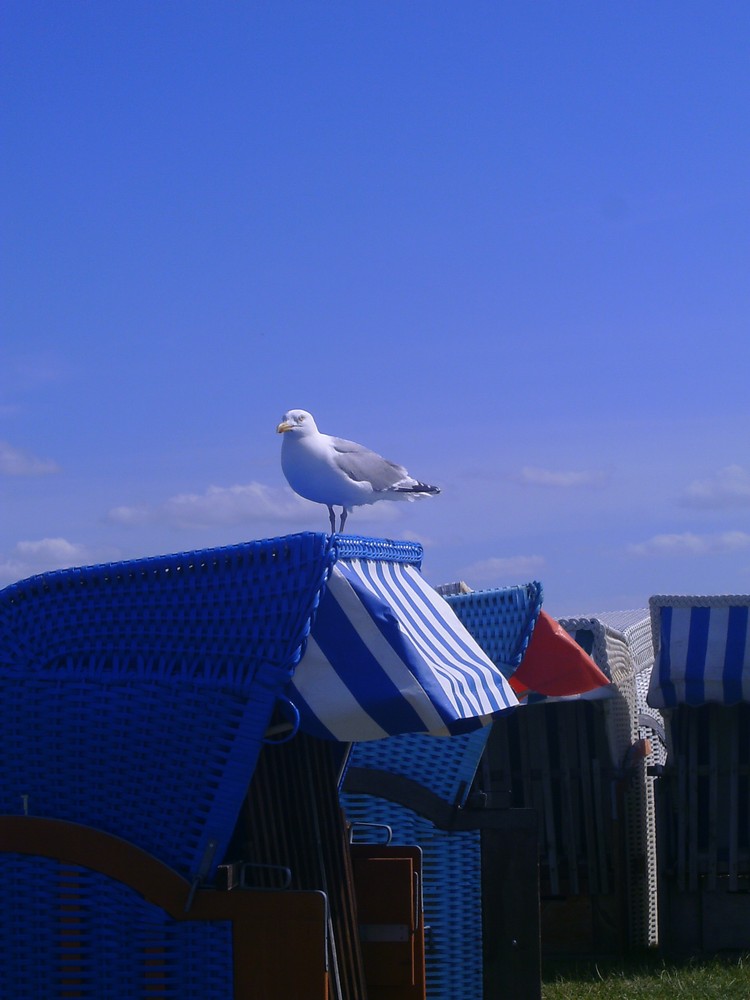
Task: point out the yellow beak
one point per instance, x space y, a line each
284 426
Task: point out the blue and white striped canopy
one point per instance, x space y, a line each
387 655
702 650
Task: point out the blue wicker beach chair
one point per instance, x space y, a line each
135 696
135 699
452 874
417 786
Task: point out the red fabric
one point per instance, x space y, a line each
555 664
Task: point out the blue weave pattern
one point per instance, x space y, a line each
451 882
358 547
133 950
134 696
501 621
446 766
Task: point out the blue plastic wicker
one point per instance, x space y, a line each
445 765
451 878
51 947
451 859
360 547
134 697
501 621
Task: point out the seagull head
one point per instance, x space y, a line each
297 421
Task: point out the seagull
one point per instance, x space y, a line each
339 473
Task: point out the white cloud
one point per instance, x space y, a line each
31 557
691 544
730 487
233 505
532 475
131 515
239 504
251 503
18 463
499 570
59 550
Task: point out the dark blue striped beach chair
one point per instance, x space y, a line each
701 684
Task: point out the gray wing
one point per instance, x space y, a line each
362 465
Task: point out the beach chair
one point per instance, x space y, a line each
481 937
579 762
701 684
620 643
136 699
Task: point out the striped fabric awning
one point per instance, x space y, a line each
702 650
387 655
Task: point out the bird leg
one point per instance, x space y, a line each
344 513
332 518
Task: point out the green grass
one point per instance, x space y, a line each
649 977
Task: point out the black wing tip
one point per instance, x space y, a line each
419 488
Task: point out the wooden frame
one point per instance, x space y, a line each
278 937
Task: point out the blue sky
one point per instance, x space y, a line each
505 244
